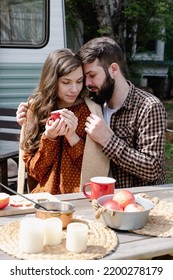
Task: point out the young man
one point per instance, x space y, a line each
135 142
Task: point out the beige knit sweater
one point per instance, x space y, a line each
95 163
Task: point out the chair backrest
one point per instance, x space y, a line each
9 128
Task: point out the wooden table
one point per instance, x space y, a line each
131 246
8 149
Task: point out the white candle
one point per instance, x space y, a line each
31 234
77 237
52 231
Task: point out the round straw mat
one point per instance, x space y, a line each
160 221
101 242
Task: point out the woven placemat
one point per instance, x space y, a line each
101 242
160 220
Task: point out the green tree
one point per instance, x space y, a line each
131 22
78 11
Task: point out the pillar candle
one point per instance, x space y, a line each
31 234
52 231
77 237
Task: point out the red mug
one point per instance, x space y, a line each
99 186
54 116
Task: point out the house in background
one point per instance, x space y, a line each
155 66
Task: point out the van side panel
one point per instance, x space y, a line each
17 82
20 68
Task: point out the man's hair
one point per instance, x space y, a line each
105 49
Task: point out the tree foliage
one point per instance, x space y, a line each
76 11
131 22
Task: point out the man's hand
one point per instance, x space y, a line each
21 112
97 129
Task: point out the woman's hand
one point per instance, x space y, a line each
66 125
71 122
55 129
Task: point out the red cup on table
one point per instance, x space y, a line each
99 186
53 117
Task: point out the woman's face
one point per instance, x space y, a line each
69 87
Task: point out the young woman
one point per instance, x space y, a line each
54 152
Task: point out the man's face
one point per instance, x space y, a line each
100 84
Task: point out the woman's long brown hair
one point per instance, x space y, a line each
44 99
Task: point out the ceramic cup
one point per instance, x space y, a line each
99 186
54 116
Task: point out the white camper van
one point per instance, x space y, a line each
29 31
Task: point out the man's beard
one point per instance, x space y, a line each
105 93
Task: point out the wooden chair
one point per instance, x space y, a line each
10 135
9 128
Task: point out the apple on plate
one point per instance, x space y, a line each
4 200
124 197
112 205
134 207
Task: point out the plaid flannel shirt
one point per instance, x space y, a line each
136 148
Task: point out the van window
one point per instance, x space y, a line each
24 23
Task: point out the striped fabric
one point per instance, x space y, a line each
136 149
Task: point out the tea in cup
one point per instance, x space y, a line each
99 186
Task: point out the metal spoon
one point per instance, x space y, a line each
25 197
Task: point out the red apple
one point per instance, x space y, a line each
124 197
4 200
134 207
112 205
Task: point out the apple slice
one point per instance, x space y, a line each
27 203
16 204
19 202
